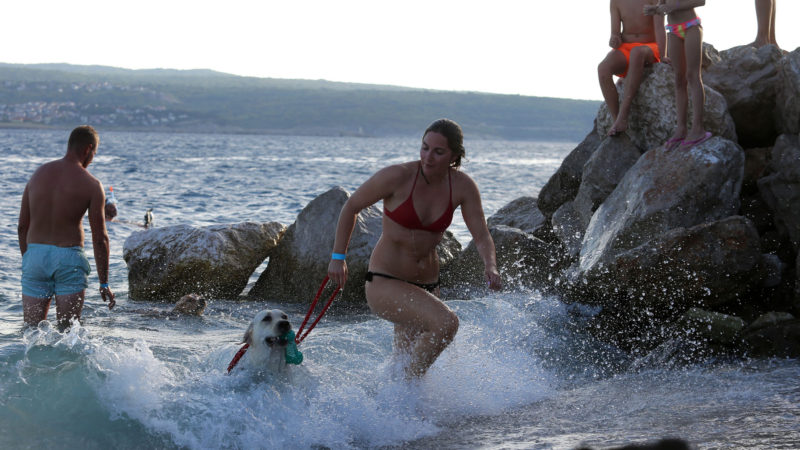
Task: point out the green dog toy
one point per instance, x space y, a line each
293 355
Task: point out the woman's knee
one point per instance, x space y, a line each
449 327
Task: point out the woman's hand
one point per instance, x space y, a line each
337 272
493 279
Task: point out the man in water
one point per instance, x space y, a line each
51 236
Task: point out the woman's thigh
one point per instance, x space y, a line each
406 305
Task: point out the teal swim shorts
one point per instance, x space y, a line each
48 270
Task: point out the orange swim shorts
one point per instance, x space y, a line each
626 50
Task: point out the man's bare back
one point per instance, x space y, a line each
51 237
58 195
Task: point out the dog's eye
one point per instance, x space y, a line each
267 318
284 317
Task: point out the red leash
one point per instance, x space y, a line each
298 338
237 357
301 336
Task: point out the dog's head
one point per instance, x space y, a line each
268 328
190 304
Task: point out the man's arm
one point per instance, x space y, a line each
616 26
661 36
24 222
100 242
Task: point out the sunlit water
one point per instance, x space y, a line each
520 374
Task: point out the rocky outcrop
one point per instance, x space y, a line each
601 173
300 262
662 191
749 78
216 262
781 189
652 116
706 265
788 93
522 214
522 259
563 185
708 233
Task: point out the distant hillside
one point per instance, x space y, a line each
208 101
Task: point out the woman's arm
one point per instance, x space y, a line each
472 212
379 186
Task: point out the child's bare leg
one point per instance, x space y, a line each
676 52
693 46
640 58
765 16
772 16
613 63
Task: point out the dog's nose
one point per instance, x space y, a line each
284 326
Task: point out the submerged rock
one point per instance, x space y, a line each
216 261
711 326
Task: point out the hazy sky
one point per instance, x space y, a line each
528 47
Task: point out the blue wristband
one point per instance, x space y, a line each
103 285
338 256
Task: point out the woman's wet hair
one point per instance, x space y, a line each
455 138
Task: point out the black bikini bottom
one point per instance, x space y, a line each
430 287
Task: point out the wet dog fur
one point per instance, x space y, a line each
267 346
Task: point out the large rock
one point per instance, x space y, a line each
789 93
602 172
522 259
568 227
521 213
652 117
300 262
706 265
781 189
563 185
748 78
216 261
662 191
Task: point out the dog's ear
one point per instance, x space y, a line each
248 335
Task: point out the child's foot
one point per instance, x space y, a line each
619 127
690 140
673 142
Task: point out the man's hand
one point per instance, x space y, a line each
615 41
108 296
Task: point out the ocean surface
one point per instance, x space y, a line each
520 374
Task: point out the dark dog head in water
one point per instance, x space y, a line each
190 305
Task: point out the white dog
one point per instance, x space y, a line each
266 342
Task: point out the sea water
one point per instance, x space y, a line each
521 372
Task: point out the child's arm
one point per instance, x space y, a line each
616 26
679 5
652 10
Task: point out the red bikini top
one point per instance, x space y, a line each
406 215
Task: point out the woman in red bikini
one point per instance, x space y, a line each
419 199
